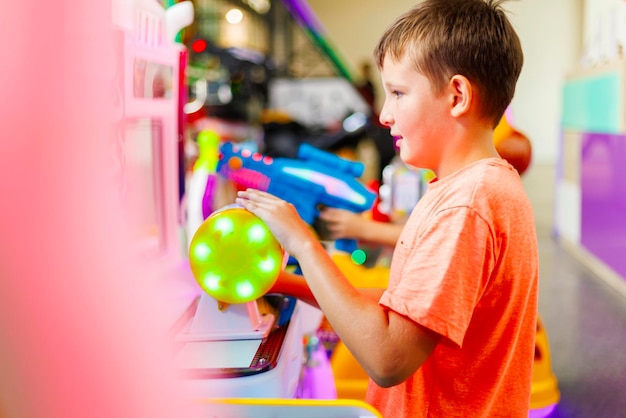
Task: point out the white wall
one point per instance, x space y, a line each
604 30
551 36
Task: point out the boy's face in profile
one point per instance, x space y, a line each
415 115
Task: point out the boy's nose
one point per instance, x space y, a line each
385 117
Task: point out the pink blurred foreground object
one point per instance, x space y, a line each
80 336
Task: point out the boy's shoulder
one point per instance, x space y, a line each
484 172
483 182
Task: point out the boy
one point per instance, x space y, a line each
453 334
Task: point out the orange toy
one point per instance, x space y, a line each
512 145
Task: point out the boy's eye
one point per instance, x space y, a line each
397 93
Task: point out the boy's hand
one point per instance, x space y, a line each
343 223
281 218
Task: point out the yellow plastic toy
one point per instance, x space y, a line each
545 394
288 408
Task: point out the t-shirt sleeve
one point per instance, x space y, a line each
439 273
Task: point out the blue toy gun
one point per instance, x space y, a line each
315 179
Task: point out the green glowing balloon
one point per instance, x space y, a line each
234 257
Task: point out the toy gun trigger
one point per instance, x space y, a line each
346 245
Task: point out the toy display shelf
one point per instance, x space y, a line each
590 188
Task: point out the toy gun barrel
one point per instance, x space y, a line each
307 152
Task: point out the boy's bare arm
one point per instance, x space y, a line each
295 285
388 346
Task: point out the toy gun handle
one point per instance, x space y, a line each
346 245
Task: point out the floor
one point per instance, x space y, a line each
584 318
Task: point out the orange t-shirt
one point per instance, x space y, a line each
466 267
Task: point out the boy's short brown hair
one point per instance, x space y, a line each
472 38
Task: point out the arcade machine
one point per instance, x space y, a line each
231 354
148 135
147 128
233 266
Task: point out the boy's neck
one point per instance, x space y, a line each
467 147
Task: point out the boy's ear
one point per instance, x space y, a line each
462 95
